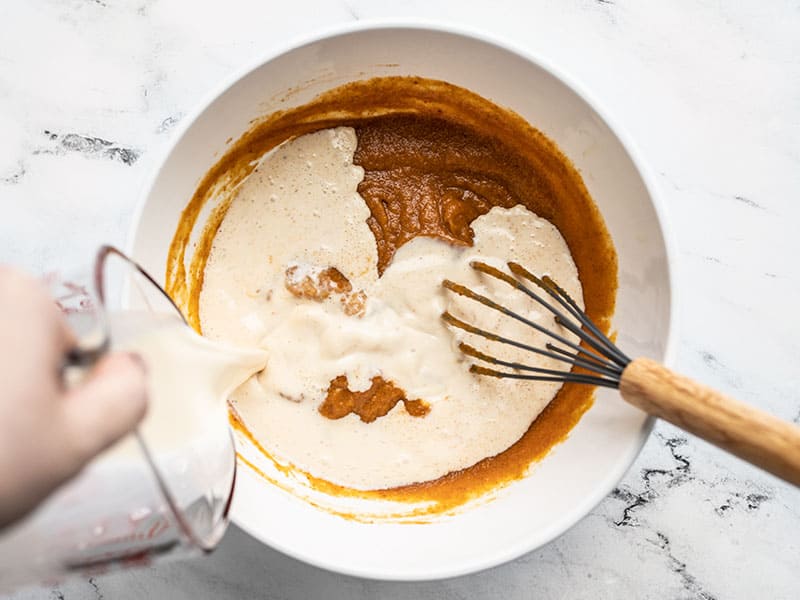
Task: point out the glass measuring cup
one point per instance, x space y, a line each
164 490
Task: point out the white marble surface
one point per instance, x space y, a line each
710 91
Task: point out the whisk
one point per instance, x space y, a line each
750 434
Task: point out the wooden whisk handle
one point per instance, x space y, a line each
749 433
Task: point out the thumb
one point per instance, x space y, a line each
106 405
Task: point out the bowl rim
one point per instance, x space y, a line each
625 139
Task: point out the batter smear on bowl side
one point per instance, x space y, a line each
328 251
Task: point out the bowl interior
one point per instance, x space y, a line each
579 472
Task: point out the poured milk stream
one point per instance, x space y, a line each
301 208
113 507
189 379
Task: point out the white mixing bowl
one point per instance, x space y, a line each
579 472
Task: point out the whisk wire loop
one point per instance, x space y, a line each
603 361
562 377
565 300
475 353
458 323
468 293
596 340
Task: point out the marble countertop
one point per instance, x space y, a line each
91 89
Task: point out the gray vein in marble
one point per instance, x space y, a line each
157 77
714 194
168 123
143 10
657 480
751 502
707 258
562 560
607 8
15 175
351 10
732 378
709 359
749 202
93 582
90 146
677 566
670 478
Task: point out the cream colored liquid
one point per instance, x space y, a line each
301 207
189 379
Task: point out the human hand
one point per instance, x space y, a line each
48 432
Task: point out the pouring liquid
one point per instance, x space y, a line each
115 510
189 378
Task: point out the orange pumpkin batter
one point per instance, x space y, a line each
435 158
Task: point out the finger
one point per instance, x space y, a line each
106 405
22 296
